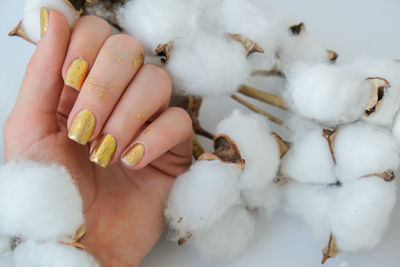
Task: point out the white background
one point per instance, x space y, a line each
351 28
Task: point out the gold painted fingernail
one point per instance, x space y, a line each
134 154
82 127
104 151
76 73
44 21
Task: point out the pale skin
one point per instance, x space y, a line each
123 205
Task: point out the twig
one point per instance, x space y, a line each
200 130
263 96
258 110
197 147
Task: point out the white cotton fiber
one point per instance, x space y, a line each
201 195
314 205
34 254
206 63
38 202
364 149
154 22
330 94
396 129
31 18
389 70
300 48
266 200
309 160
249 20
227 237
257 146
362 213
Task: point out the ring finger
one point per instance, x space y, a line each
147 96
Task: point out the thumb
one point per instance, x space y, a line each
34 113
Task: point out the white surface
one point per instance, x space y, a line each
350 28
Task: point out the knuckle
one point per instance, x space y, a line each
126 42
184 119
162 76
46 72
97 21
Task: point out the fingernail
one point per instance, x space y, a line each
133 155
76 73
104 151
44 21
82 127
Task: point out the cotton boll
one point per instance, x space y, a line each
389 70
330 94
300 48
362 213
34 254
257 146
206 63
227 237
259 25
309 160
314 205
31 18
261 153
201 195
38 202
363 149
154 22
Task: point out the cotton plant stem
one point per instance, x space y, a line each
258 110
263 96
200 130
197 147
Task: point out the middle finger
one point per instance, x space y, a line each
115 66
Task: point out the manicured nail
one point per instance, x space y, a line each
82 127
103 153
76 73
133 155
44 21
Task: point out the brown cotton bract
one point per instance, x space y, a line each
250 45
75 241
331 250
284 146
378 86
19 31
225 150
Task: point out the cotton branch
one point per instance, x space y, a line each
263 96
258 110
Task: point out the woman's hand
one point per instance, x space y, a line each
119 119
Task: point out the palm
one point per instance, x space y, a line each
123 208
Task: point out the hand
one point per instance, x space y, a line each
122 97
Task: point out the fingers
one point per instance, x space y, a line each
171 131
88 36
148 94
41 87
116 64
